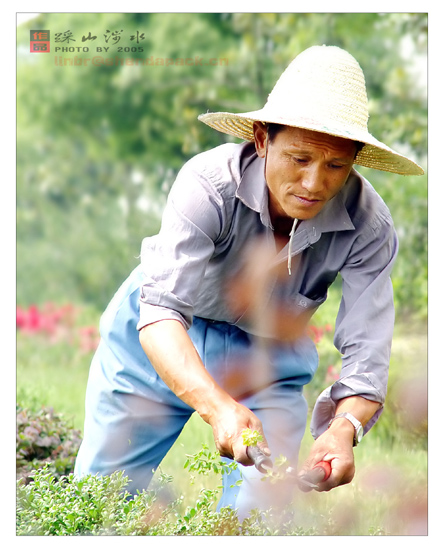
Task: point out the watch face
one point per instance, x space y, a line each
359 434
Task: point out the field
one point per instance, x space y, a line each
389 493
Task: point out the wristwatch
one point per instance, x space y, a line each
359 430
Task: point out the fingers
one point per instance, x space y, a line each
228 435
335 447
341 472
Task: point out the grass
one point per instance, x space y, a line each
55 376
387 497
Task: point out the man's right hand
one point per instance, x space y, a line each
228 423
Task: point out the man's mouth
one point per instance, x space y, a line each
306 201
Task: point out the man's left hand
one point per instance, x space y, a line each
335 445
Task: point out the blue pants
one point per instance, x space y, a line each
132 418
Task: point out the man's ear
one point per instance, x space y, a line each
260 138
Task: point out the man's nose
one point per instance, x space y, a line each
313 180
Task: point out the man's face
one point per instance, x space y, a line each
304 170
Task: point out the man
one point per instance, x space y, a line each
213 319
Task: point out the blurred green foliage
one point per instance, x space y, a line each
98 147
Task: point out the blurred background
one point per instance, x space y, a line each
98 147
101 136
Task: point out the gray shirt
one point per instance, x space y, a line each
218 209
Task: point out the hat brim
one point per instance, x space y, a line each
374 154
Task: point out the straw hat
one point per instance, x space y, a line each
323 89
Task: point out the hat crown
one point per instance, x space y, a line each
323 85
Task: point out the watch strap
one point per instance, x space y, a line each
356 424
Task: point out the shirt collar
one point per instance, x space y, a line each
252 191
252 188
334 216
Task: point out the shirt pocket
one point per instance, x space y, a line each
303 303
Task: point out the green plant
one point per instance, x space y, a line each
68 506
206 461
377 502
44 438
251 437
99 505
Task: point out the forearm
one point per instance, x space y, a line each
177 362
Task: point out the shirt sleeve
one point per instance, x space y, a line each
364 325
175 260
